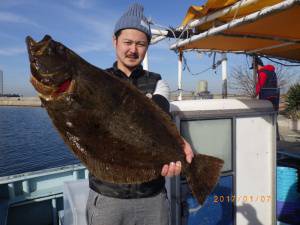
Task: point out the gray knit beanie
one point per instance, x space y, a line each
135 19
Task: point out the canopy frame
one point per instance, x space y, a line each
248 19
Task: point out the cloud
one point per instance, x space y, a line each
98 26
8 36
102 23
92 46
13 3
14 18
100 36
82 4
98 29
163 45
2 68
158 58
12 51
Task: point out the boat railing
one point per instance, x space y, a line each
25 186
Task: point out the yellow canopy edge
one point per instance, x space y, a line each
197 12
276 34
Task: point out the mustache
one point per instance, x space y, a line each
134 55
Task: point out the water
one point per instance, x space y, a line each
29 142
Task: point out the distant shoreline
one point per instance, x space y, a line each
20 101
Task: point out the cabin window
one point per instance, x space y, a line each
211 137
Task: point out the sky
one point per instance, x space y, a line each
86 27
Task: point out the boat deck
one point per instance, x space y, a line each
289 144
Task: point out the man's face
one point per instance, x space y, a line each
131 47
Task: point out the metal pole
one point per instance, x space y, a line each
26 186
86 174
145 62
54 211
157 39
254 75
11 190
180 76
1 82
159 32
76 175
224 75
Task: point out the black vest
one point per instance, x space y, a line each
271 81
146 82
270 91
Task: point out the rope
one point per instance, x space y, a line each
213 66
283 64
180 90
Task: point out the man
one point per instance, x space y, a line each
134 204
266 86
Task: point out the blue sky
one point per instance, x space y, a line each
86 27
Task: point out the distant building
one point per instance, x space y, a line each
202 90
1 82
2 88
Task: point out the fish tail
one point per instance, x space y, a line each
203 174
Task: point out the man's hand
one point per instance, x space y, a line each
174 169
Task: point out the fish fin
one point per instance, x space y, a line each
203 174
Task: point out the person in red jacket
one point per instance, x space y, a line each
267 84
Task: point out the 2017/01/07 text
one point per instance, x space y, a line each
242 198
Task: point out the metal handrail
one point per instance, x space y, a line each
39 173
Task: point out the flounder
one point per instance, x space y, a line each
119 134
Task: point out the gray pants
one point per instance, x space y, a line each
103 210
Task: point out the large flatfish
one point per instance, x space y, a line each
118 133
